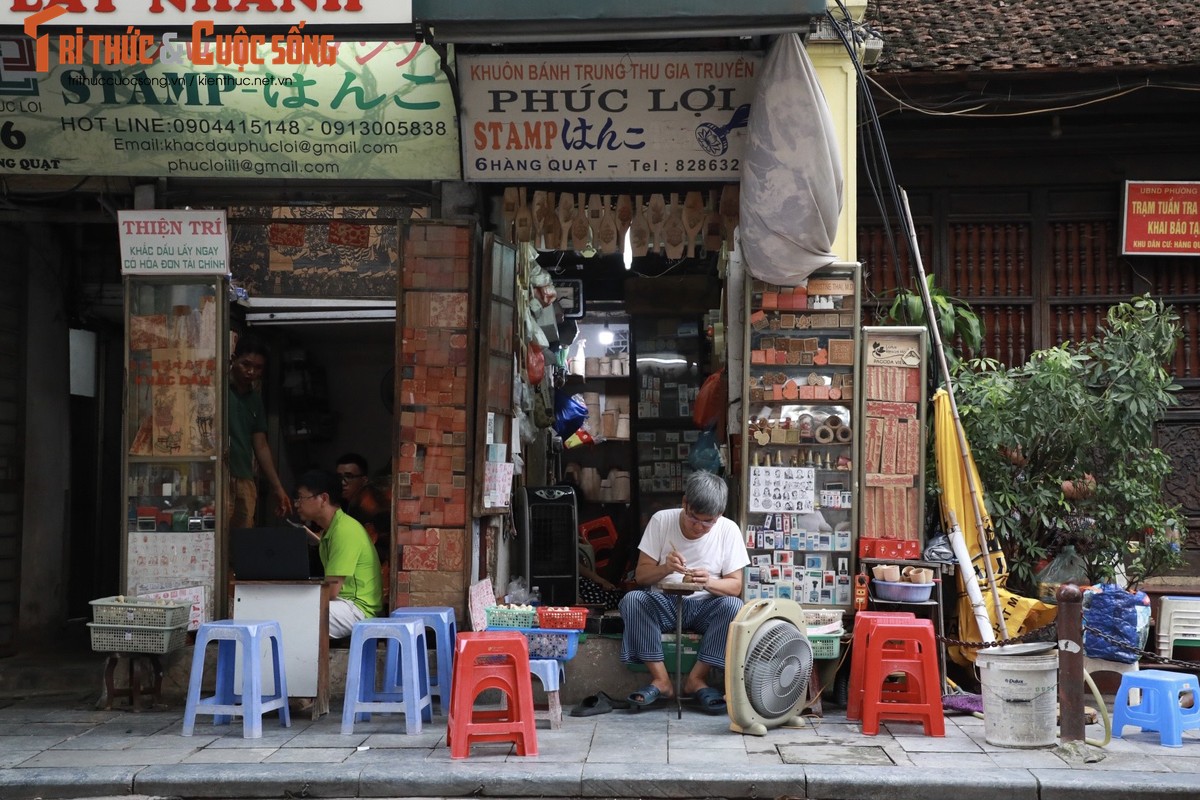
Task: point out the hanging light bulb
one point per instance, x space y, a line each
627 252
605 337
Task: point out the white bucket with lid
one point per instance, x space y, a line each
1020 695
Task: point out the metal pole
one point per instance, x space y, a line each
936 335
1070 663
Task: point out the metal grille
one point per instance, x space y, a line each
777 668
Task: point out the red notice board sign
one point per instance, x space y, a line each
1161 218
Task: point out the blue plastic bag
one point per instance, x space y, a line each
1118 614
569 413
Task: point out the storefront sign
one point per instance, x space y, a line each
678 116
367 110
161 242
145 13
1162 218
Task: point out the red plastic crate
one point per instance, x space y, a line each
563 618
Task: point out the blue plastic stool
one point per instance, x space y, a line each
405 682
1159 709
251 704
440 620
550 672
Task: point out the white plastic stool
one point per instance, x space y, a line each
551 674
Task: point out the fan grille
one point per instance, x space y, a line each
778 663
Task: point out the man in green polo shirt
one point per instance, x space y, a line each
347 554
248 436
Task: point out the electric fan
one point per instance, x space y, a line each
768 660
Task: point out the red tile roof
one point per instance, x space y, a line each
1006 35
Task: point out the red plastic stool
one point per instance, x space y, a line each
864 623
908 646
601 534
491 660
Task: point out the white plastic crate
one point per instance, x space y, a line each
137 638
122 610
1178 621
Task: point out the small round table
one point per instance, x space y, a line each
679 591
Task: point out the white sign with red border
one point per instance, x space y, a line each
162 242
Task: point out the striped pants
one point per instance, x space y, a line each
648 615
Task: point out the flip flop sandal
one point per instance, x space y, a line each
710 701
592 705
612 701
645 697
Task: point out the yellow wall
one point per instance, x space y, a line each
836 74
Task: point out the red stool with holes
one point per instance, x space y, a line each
601 534
491 660
864 623
908 646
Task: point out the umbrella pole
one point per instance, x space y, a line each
972 485
978 607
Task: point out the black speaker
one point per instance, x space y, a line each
547 553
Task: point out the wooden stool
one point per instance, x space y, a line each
864 622
908 646
142 666
491 660
549 671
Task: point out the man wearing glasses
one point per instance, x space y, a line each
692 544
248 437
346 553
365 502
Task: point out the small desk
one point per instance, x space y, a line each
679 591
302 610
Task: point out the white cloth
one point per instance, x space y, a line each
721 550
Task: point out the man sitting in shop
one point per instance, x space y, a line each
364 501
692 544
346 553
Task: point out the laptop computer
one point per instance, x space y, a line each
271 554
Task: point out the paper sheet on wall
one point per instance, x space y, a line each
774 489
162 560
497 484
185 594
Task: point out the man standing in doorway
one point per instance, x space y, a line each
346 553
248 436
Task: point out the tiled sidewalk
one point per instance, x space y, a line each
61 746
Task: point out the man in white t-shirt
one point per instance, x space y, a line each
692 544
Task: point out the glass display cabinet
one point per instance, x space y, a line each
799 492
176 350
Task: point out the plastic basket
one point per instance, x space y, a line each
563 618
550 643
814 617
901 592
826 645
137 638
140 612
509 617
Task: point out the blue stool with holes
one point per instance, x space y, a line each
1160 708
251 704
440 620
406 677
550 672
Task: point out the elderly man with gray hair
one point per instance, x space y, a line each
692 544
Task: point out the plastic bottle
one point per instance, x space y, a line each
535 596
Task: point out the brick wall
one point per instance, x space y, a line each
434 358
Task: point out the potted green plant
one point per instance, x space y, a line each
1065 447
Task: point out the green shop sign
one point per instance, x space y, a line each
364 110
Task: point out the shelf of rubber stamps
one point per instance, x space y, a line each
799 489
670 365
892 404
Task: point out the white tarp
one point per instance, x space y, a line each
792 177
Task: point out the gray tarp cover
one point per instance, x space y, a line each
792 180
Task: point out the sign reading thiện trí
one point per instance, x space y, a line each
368 110
641 116
158 241
1161 218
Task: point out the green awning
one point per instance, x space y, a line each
597 20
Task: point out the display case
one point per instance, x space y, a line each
670 364
800 490
173 434
892 407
